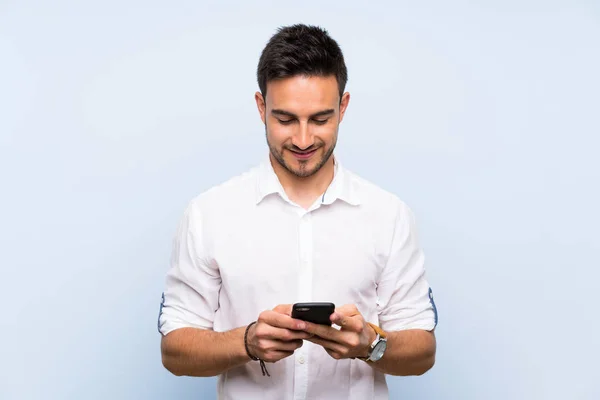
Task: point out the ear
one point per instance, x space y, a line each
344 105
260 103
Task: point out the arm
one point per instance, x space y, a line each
202 352
410 352
405 307
407 312
189 345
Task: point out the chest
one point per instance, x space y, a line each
287 258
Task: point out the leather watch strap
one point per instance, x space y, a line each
382 335
377 329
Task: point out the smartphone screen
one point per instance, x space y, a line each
317 313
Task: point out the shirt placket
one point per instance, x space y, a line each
305 248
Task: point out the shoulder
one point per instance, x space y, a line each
228 194
378 199
385 212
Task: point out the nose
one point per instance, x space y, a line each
303 138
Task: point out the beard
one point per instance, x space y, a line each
304 170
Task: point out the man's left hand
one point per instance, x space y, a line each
352 340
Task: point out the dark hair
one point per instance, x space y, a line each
301 50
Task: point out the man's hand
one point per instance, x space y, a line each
276 335
352 340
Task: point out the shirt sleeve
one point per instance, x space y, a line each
405 299
193 281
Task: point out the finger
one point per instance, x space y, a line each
335 355
329 345
285 309
348 310
324 331
271 332
266 345
289 346
354 324
347 340
275 355
265 348
279 320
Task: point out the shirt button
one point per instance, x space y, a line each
301 359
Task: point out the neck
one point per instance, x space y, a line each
304 191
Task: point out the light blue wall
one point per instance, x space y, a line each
484 119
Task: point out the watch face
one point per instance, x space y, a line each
379 350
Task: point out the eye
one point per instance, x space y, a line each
285 121
321 121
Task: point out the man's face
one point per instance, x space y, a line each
302 116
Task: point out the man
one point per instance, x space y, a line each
298 228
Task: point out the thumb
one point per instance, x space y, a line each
284 309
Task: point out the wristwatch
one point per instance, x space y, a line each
378 346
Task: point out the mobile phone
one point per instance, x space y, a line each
317 313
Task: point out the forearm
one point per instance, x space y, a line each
410 352
198 352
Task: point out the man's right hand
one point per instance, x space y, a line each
276 335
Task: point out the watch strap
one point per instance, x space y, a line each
380 335
377 329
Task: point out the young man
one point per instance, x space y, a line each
298 228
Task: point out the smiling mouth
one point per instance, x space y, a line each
303 154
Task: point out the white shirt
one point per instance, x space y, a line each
243 247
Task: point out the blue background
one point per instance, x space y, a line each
483 117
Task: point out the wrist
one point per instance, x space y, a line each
378 345
235 338
248 334
371 337
372 334
249 353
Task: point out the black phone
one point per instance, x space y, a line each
317 313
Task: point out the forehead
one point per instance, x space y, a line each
303 94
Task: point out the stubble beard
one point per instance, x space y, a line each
303 172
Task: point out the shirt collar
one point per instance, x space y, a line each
341 187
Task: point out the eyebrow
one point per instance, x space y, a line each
289 114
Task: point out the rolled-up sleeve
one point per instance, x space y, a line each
405 299
192 284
